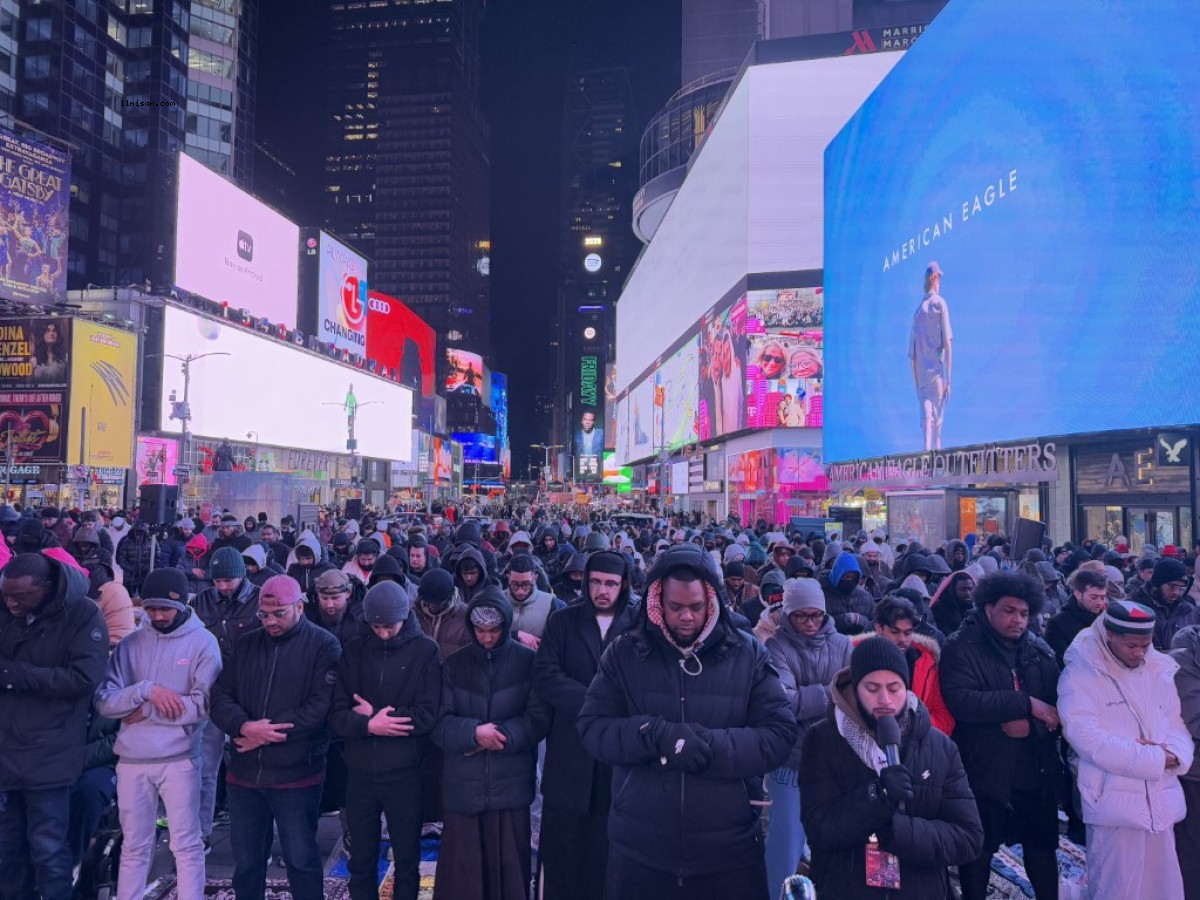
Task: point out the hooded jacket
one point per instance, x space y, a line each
1107 712
266 568
135 557
49 668
956 565
567 661
285 679
978 672
171 550
842 807
195 556
840 602
1185 650
731 696
485 578
1171 617
1064 626
948 613
806 667
306 576
448 626
403 673
481 686
187 661
228 619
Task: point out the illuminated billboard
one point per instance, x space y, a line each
341 295
784 362
234 249
985 257
319 394
35 371
676 397
400 340
35 188
464 373
104 392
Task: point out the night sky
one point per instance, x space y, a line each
529 48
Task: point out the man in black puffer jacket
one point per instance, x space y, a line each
53 649
1000 683
385 706
135 558
489 726
687 710
272 699
921 810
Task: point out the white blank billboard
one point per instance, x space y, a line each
232 249
752 201
289 397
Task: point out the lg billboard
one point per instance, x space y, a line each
315 415
233 249
341 295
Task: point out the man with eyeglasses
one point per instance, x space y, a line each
575 787
531 607
273 699
781 552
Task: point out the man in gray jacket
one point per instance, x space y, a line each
531 607
157 683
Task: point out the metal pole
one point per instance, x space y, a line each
8 454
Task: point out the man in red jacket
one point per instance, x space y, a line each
895 618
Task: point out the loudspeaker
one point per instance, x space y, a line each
1028 537
158 503
354 508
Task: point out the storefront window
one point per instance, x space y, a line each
1103 523
1030 505
1185 528
982 515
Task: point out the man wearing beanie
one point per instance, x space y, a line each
228 610
808 652
273 700
676 766
743 597
1000 683
158 683
489 725
1121 714
229 534
531 607
337 606
1166 594
915 818
577 788
384 707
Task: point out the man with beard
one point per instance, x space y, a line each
228 610
919 811
158 683
341 550
876 573
576 787
470 576
229 535
952 602
531 607
1166 594
276 549
957 556
338 606
365 555
682 768
1000 683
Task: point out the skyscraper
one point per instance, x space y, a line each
127 84
597 248
406 164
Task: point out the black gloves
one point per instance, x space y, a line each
680 745
896 784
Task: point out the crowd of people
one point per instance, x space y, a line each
698 710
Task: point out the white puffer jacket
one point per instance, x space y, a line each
1105 709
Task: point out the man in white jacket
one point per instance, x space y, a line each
158 684
1120 712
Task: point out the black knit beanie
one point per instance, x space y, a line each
877 654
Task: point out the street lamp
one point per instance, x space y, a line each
547 448
256 459
183 411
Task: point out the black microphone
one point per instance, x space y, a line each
887 733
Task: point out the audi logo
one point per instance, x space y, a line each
380 306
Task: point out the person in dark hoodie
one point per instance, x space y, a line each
229 535
53 650
921 811
385 706
1166 594
489 725
171 551
844 594
258 566
470 573
307 563
957 555
341 549
681 823
32 537
577 788
1089 598
135 556
952 602
743 598
568 584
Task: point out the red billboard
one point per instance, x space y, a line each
397 338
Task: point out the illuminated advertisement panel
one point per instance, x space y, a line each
984 256
35 367
676 398
400 340
104 375
35 188
324 395
341 295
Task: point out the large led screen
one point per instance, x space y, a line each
785 370
399 339
233 249
104 375
642 416
1018 258
341 296
320 393
35 190
676 396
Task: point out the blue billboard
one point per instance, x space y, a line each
1011 231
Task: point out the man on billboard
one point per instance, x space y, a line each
589 440
929 349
